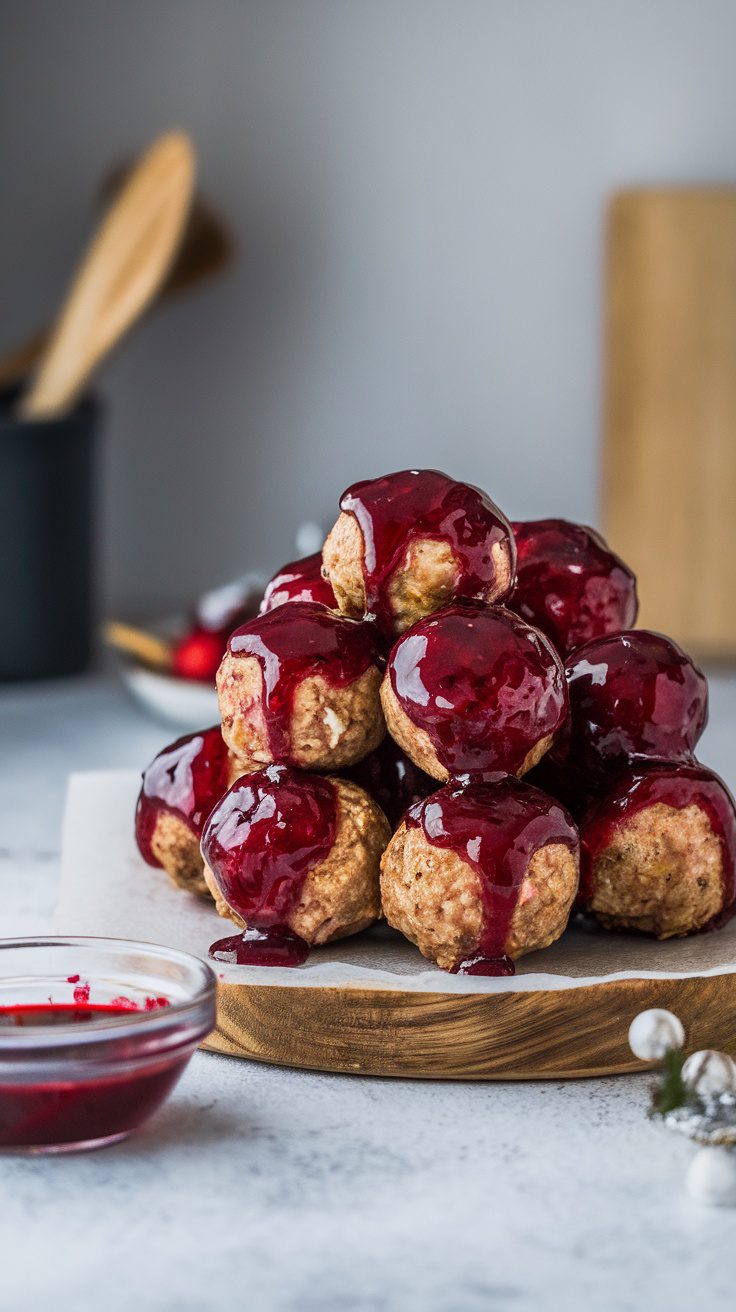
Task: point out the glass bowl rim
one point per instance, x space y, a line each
129 1023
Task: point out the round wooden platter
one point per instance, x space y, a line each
533 1034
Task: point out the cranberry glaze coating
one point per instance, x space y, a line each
300 686
633 696
301 580
659 851
180 788
569 584
476 691
479 874
294 856
408 543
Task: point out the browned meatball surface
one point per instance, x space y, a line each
340 893
300 685
406 544
659 851
512 896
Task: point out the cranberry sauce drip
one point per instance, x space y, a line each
634 695
675 785
258 947
261 841
185 780
496 827
293 642
396 510
301 580
569 584
483 684
391 779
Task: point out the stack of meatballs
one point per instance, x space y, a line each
447 720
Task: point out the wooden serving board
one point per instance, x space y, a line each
371 1005
535 1035
669 461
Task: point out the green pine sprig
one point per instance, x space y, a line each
672 1091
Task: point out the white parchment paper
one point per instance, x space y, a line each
107 889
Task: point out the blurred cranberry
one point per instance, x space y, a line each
198 655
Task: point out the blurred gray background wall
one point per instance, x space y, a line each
417 192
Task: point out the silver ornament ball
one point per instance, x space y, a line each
709 1073
711 1177
654 1033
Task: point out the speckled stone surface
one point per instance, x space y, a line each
272 1189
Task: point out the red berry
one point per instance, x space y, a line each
198 655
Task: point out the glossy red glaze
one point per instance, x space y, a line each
674 785
569 584
391 779
397 509
484 685
496 827
185 780
294 642
261 947
34 1115
301 580
633 696
261 841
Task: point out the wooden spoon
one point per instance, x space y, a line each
147 648
207 249
123 270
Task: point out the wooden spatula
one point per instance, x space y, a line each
123 270
206 250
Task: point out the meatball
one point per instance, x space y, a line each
569 584
473 690
479 874
180 788
300 686
294 851
406 544
633 696
391 778
659 851
299 581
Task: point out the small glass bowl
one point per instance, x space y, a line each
94 1034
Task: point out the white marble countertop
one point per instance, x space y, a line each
296 1192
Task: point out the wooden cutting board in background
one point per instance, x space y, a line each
669 465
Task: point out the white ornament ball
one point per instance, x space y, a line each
654 1033
711 1177
709 1073
309 539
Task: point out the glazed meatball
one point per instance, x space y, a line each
633 696
296 851
474 690
180 788
659 851
406 544
477 875
300 686
570 584
299 581
392 779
